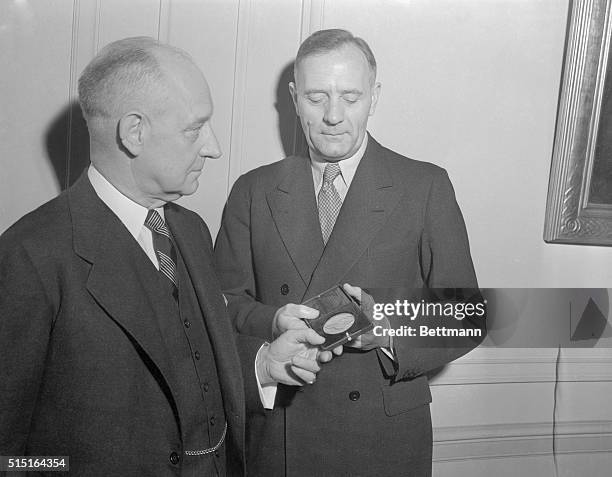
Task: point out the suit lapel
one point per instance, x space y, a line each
190 238
119 278
370 199
294 211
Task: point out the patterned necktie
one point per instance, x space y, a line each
162 243
329 200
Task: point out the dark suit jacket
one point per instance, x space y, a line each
399 229
83 370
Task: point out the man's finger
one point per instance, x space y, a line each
304 375
355 292
337 350
305 312
305 364
296 324
325 356
309 353
309 336
301 311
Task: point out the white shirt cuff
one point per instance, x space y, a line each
389 351
267 392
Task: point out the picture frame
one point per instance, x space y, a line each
579 203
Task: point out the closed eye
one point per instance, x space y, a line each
193 132
351 97
316 98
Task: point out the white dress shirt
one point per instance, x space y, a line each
132 215
348 167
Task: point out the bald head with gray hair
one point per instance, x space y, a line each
126 74
148 108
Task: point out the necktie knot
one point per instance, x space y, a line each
155 223
332 170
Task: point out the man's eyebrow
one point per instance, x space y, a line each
345 91
198 121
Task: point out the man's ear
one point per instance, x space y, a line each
293 93
132 131
375 96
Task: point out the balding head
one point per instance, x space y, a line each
334 39
148 110
127 74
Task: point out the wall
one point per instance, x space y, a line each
471 85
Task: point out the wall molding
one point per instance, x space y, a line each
495 366
490 441
72 85
237 150
163 21
313 12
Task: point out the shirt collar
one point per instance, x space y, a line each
348 167
132 215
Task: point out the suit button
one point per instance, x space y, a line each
284 289
212 421
354 395
197 355
187 323
205 387
174 458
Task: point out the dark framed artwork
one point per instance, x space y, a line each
579 206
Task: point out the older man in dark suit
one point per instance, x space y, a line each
352 212
114 345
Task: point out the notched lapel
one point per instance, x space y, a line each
366 208
118 279
294 211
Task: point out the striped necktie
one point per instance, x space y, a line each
163 245
329 200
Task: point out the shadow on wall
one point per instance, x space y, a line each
67 143
289 129
67 138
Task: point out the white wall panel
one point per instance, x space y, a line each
207 30
269 36
120 18
472 86
35 50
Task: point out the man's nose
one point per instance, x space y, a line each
334 112
211 147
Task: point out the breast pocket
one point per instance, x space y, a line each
405 395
